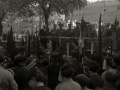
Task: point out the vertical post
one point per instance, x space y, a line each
28 43
114 46
39 22
78 11
99 43
60 41
92 47
67 50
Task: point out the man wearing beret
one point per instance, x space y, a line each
20 62
7 81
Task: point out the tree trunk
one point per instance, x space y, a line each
46 21
46 11
1 28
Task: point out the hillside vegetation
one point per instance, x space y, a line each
92 11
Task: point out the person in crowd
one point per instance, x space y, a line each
95 79
65 77
53 71
7 81
8 62
76 31
76 65
83 80
21 74
32 57
37 79
44 32
20 77
111 78
3 50
53 33
69 31
20 61
60 31
108 63
94 57
32 61
21 51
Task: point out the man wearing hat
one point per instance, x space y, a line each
95 79
3 51
20 71
21 52
53 71
7 81
20 61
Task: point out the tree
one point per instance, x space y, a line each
11 6
60 6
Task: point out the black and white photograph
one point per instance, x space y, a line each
59 45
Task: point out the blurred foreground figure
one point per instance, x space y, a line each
65 76
111 79
95 80
7 81
37 80
84 81
8 62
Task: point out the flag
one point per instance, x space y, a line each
28 44
115 24
81 39
115 36
8 42
92 47
68 50
99 42
11 44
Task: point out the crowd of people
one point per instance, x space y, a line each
58 73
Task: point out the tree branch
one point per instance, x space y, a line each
24 5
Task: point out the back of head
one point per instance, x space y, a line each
83 80
67 71
20 59
110 62
93 57
38 75
93 66
108 59
111 76
55 57
21 49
